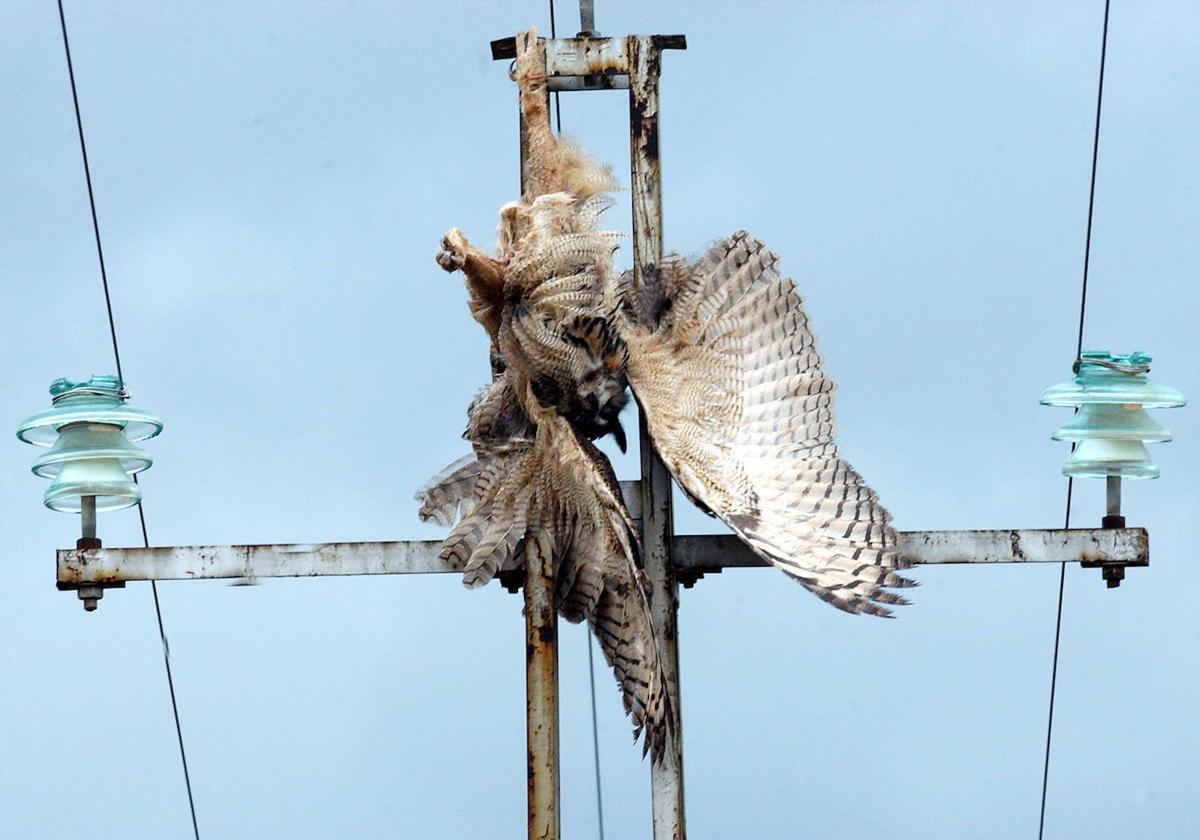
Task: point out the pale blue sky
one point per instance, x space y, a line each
272 180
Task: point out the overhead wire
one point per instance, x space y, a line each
587 636
1062 573
112 328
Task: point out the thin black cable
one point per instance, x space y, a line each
1087 248
1062 578
1062 573
112 328
557 104
595 737
588 636
87 172
162 635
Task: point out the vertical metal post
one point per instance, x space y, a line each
90 595
587 18
1113 574
87 512
666 780
541 692
541 664
1113 495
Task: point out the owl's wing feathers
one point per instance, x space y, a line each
498 429
724 365
449 495
557 492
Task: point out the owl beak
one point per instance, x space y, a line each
618 433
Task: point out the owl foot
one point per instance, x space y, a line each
453 255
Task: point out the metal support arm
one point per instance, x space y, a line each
692 555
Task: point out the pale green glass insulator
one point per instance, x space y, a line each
98 400
1100 458
1116 422
1097 383
88 430
91 459
1112 426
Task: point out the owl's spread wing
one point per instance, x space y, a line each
724 366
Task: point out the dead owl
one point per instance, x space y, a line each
720 357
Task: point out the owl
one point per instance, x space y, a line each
721 359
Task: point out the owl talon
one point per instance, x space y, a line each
450 261
452 256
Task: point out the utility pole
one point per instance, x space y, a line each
633 62
589 62
666 779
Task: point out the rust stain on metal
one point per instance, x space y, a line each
1014 540
598 58
666 778
503 48
541 689
1133 550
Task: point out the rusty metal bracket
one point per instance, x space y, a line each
588 62
506 48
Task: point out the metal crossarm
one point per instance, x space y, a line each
692 554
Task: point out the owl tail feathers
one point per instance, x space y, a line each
559 495
622 629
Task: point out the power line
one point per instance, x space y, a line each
87 174
557 104
595 736
112 328
1062 573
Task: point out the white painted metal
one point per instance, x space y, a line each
207 562
1119 546
1115 546
586 56
115 566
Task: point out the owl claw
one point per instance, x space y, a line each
450 261
452 256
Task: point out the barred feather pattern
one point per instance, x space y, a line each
547 300
559 487
558 326
449 495
724 365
